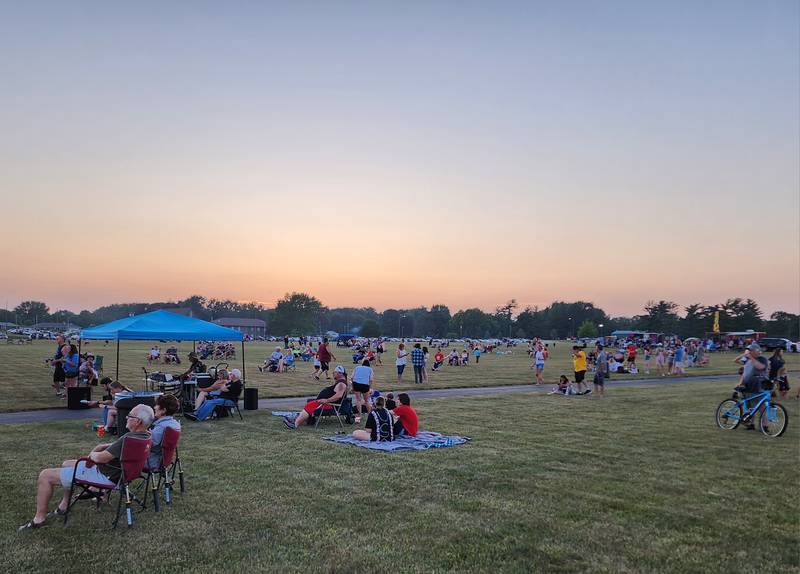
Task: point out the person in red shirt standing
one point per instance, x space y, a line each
325 357
631 355
406 421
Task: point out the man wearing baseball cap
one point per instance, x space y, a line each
330 394
753 375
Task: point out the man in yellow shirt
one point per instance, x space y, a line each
579 366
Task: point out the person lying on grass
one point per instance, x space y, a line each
330 394
380 424
106 470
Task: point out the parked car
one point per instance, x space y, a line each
772 343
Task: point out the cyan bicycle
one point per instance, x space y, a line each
772 417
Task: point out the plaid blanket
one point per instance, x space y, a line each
423 441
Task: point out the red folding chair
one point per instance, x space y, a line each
165 473
133 459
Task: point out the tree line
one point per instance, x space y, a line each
301 314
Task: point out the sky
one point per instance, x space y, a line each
399 154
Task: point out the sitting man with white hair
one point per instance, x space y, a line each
107 469
273 362
229 390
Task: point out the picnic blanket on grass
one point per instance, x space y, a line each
423 441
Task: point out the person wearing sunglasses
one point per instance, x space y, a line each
106 470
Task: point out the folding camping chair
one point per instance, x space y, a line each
343 409
161 475
133 459
228 404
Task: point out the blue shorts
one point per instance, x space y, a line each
540 365
92 475
400 369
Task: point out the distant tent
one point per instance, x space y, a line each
343 338
162 325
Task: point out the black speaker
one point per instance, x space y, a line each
77 394
125 406
251 399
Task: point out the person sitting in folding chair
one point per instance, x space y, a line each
166 406
217 394
286 362
106 471
331 394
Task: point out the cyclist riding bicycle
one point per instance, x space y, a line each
753 376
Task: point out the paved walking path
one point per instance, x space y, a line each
289 403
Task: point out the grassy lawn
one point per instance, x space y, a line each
640 481
25 380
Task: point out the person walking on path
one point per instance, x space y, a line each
400 361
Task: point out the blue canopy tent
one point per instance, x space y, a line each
161 326
342 339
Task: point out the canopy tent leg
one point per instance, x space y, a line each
244 378
116 377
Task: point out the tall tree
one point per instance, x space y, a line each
390 323
504 317
297 314
660 317
370 328
698 320
783 324
587 330
438 320
30 312
473 323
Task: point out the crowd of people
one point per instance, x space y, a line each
70 367
385 418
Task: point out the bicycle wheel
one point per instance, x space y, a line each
773 420
729 414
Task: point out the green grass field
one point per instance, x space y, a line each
25 381
639 481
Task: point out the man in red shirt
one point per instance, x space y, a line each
405 417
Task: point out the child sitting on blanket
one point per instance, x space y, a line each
380 426
564 387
